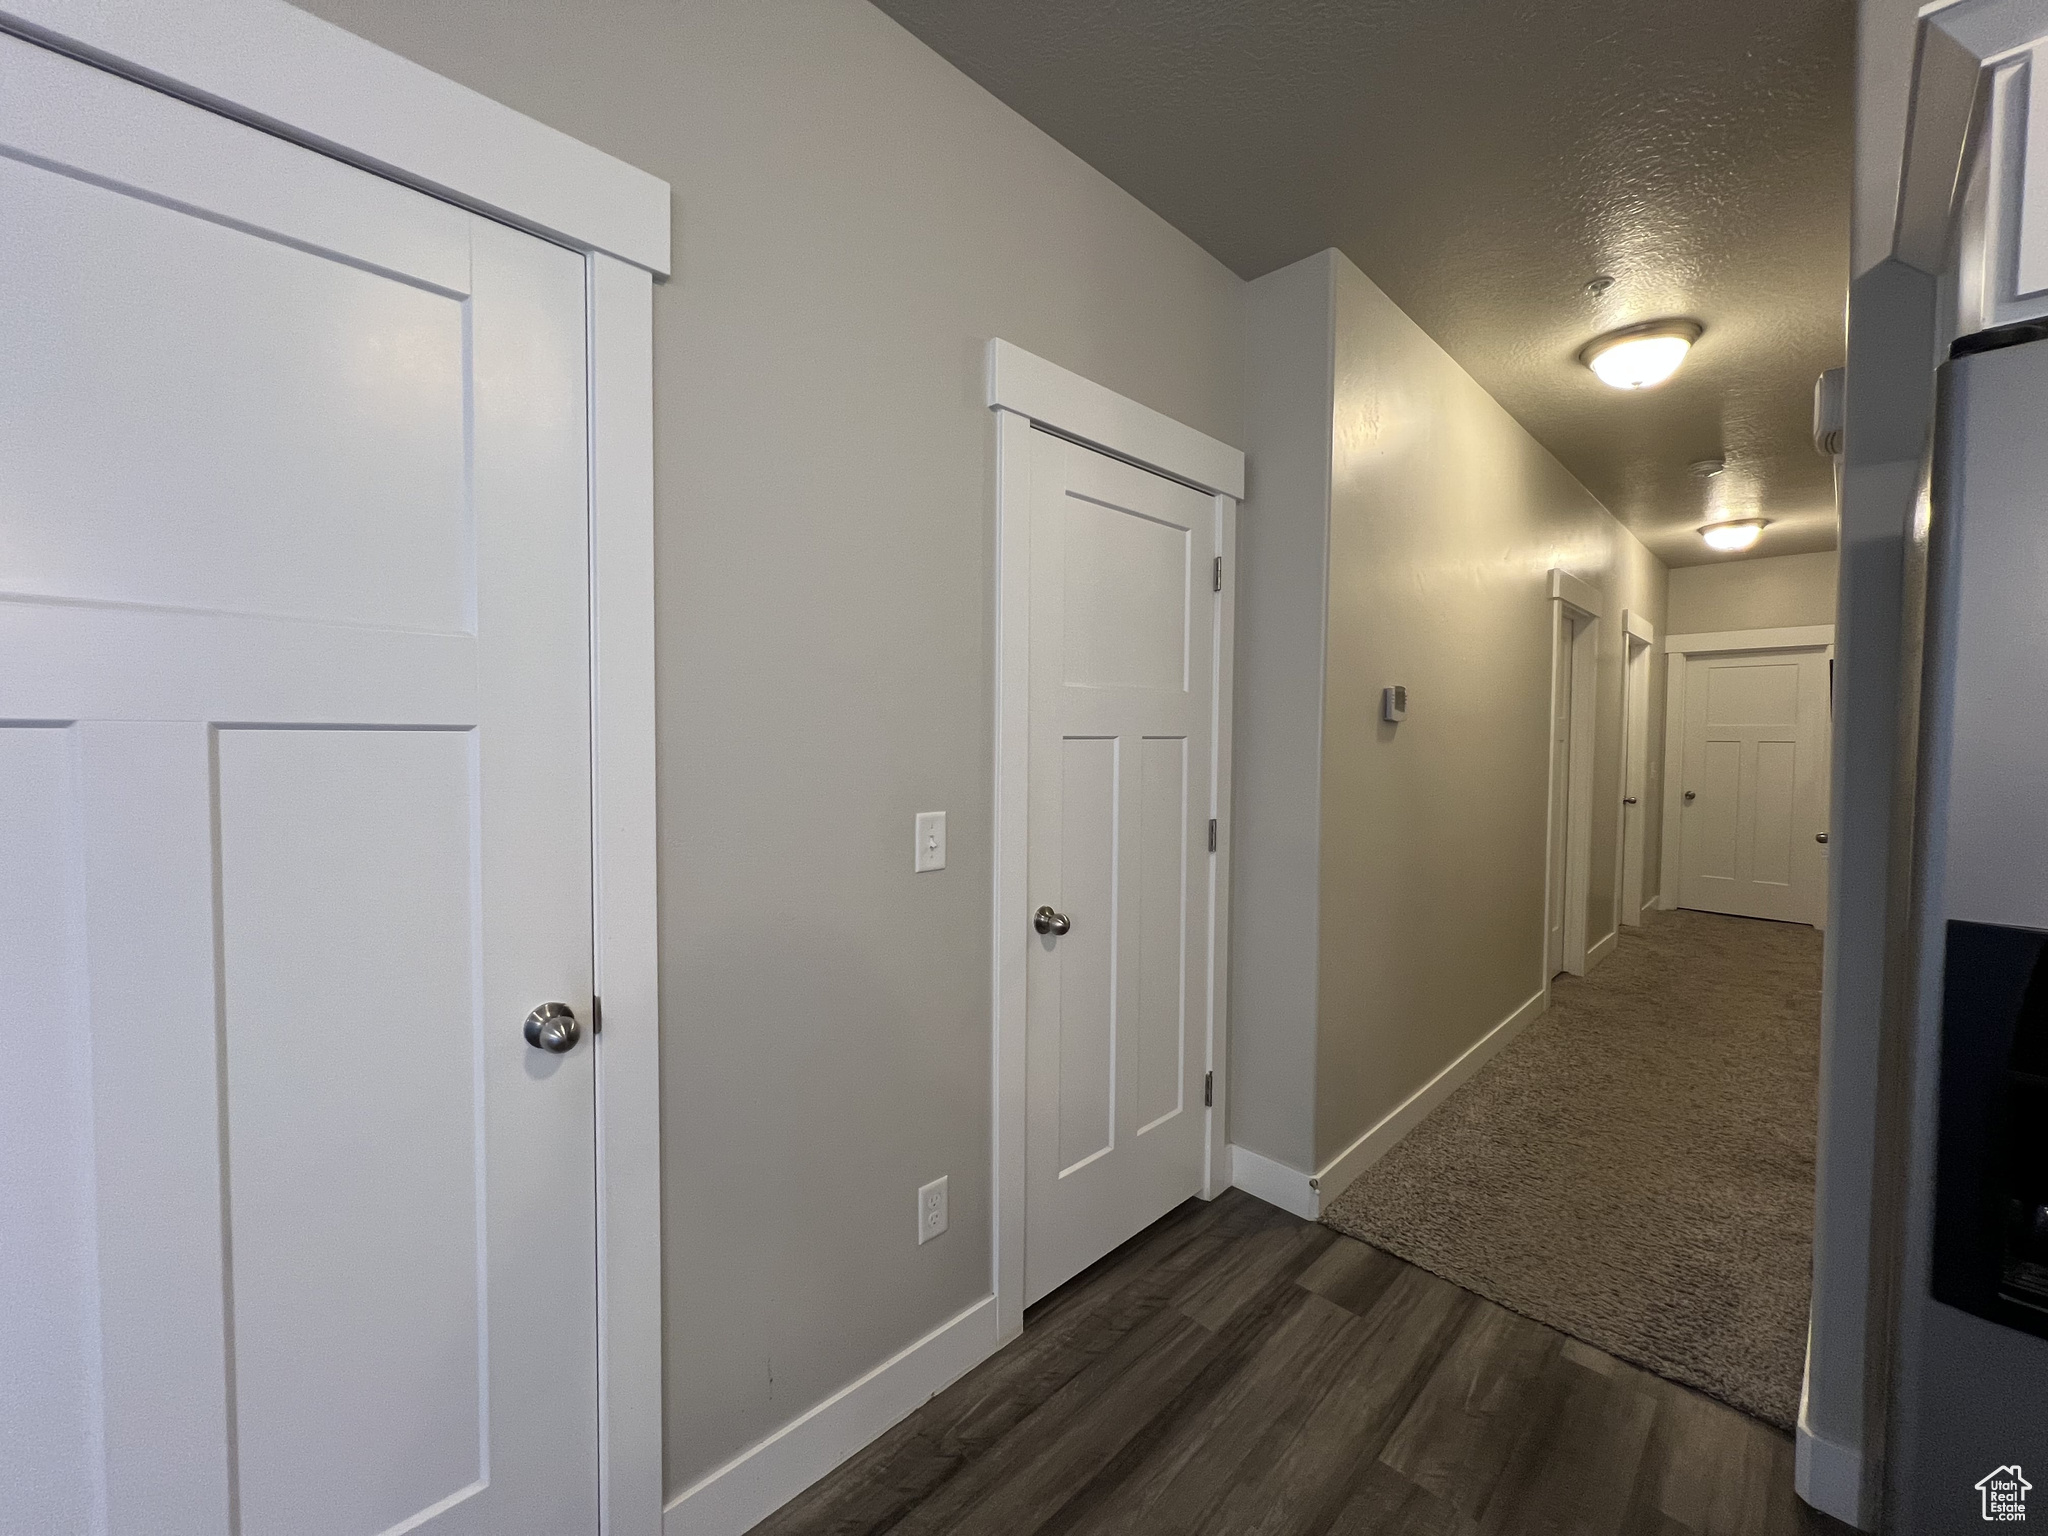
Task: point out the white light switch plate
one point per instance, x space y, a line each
931 842
931 1211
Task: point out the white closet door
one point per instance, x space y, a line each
1636 777
298 1234
1122 649
1754 795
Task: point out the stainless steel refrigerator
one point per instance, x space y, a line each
1969 1426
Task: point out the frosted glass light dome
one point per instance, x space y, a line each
1735 534
1640 356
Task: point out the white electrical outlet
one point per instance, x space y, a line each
931 1210
931 842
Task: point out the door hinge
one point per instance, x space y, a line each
1218 587
1208 1090
1212 834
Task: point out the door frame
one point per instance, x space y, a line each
1678 649
1027 393
1638 639
1580 600
290 74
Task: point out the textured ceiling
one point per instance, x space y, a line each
1482 160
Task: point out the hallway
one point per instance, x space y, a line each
1237 1369
1637 1168
1088 745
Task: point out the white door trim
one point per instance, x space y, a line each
1575 593
1065 403
1026 392
265 63
1680 649
1582 600
292 74
624 931
1797 638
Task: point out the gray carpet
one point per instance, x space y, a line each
1636 1169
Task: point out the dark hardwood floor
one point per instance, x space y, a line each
1234 1369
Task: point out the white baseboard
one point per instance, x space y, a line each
1602 950
760 1480
1275 1183
1828 1474
1308 1195
1398 1122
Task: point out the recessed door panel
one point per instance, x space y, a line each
1719 808
1762 693
1162 877
285 434
1775 794
49 1327
1087 957
1126 598
350 942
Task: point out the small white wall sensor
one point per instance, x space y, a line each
1394 703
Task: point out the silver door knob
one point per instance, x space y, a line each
1628 799
1045 920
1690 796
552 1027
1820 837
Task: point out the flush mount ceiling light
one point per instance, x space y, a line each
1735 533
1640 356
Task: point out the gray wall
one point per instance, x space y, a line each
1424 843
854 220
1276 762
1445 520
1772 592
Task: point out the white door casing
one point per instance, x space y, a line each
1574 670
297 733
1031 398
1753 784
1123 621
1560 786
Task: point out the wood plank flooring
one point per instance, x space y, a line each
1234 1369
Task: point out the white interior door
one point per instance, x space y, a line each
1635 778
1560 783
298 1232
1122 654
1752 800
